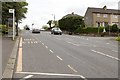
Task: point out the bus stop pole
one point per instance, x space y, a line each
13 24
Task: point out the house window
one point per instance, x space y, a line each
115 16
105 15
98 15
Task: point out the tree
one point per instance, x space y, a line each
71 23
20 11
50 23
26 27
45 27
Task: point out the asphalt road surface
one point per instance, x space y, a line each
46 55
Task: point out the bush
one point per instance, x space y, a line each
113 28
118 38
3 29
89 30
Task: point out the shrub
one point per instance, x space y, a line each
3 29
89 30
114 28
118 38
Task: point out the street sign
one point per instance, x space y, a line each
11 10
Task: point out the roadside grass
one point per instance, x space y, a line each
118 38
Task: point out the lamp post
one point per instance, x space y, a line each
13 12
54 19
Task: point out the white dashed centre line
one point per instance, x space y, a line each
46 46
59 58
42 43
105 55
72 68
28 42
107 43
51 51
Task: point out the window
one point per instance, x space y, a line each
105 15
98 15
115 16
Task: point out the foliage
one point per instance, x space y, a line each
45 27
112 28
50 23
3 29
118 38
20 11
71 23
26 27
88 30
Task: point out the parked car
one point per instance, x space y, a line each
36 31
56 30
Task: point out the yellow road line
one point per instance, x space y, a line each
19 62
20 42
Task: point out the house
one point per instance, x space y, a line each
96 17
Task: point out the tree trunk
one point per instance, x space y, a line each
17 29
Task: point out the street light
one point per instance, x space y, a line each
53 16
13 12
54 19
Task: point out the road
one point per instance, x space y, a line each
46 55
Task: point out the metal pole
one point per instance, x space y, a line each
13 25
109 30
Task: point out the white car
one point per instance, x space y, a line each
56 30
36 31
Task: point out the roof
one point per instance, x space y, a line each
71 15
104 11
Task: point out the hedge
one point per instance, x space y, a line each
3 29
89 30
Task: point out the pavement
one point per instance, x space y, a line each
8 56
66 56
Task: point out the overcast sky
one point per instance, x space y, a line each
40 11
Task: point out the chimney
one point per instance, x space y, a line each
73 13
105 7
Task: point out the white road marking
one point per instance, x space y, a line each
49 74
73 43
72 68
28 42
115 51
42 43
106 55
107 43
31 42
27 77
46 47
59 58
51 51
